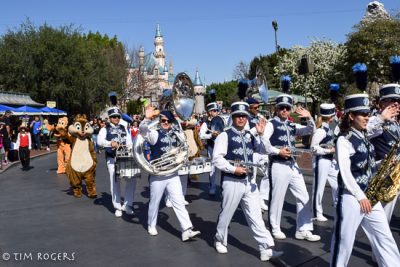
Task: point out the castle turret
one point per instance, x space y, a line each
199 92
159 47
141 56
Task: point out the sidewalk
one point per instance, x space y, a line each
34 154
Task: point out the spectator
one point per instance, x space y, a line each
2 126
36 126
46 130
24 145
96 129
6 132
134 130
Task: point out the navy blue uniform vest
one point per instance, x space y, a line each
363 161
241 147
165 142
384 142
253 120
328 140
117 134
283 135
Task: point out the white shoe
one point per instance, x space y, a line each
128 210
152 230
266 255
321 218
264 207
279 235
118 213
185 202
189 234
307 235
168 203
220 248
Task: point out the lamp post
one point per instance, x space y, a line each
275 26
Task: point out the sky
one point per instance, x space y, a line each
209 36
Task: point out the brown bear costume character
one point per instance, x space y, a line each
82 165
63 146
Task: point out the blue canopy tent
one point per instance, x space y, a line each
3 108
53 111
29 110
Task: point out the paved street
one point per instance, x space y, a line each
40 219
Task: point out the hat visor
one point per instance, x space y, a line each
283 104
391 96
359 109
328 115
240 112
114 114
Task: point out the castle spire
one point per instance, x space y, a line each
197 80
158 31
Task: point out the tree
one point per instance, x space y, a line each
241 71
62 64
226 92
373 43
326 55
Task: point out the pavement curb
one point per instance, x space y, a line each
12 163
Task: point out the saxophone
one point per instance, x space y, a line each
386 182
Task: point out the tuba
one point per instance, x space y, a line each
180 99
386 182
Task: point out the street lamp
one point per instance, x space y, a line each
275 26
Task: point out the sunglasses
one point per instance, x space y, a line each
240 116
256 107
164 121
115 116
285 107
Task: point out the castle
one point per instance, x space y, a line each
148 75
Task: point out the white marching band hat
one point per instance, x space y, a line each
327 110
284 100
356 103
239 108
391 90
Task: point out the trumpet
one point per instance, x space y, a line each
239 163
295 152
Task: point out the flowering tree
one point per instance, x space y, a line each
326 56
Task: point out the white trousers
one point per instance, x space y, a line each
389 207
184 182
115 187
264 182
327 171
375 225
172 184
284 175
245 193
215 173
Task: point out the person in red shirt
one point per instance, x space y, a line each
24 145
134 129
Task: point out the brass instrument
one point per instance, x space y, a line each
386 182
179 99
263 167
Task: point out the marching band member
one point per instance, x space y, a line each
356 162
254 118
324 164
206 134
279 139
161 141
236 143
111 137
382 140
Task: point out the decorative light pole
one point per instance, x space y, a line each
275 26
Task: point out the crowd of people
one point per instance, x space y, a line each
347 150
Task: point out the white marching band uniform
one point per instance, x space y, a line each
353 150
325 168
286 174
160 142
383 143
121 135
234 144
